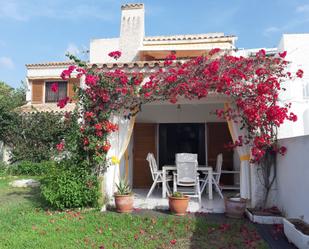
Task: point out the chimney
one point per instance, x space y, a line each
132 31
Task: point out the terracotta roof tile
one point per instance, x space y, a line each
45 107
138 64
51 64
188 37
132 6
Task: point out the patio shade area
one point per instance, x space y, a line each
167 129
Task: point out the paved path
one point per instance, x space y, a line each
274 236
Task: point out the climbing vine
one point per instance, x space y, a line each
252 83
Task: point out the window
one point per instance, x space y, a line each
306 90
51 96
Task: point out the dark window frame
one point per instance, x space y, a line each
50 96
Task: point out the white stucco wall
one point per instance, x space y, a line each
297 47
132 32
99 49
292 178
45 72
185 113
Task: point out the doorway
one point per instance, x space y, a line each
181 138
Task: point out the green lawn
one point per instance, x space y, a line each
24 223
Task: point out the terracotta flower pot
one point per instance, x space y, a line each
124 203
178 205
235 207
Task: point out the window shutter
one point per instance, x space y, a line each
37 91
71 84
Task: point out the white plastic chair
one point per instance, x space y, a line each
157 175
215 176
187 175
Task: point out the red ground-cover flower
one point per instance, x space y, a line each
173 242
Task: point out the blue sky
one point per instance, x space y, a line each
39 31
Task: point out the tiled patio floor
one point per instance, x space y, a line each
155 201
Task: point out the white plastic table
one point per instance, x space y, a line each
167 168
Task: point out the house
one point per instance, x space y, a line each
161 128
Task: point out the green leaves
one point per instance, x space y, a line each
123 188
34 136
70 186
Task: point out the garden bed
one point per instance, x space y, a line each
265 216
297 232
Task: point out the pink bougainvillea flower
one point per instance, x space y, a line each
98 126
60 146
253 82
71 68
283 54
282 150
106 146
214 51
299 73
63 102
261 53
115 54
91 80
66 74
99 133
54 87
293 117
81 72
109 126
86 141
169 59
89 115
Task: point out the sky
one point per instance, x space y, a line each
33 31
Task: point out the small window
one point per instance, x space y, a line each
51 96
306 90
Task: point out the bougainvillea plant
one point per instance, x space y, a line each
253 84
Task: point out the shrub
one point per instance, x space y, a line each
33 137
70 186
3 168
30 168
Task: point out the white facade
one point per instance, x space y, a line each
292 178
132 41
297 93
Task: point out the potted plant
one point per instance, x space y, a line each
235 207
178 203
123 197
